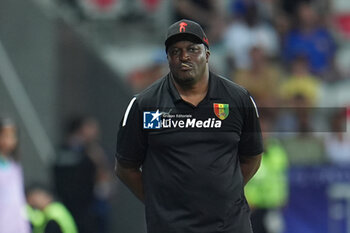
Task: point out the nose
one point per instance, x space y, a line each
184 55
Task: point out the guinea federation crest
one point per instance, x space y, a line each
221 110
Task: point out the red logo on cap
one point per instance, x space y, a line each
206 40
182 27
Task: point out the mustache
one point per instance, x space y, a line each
186 64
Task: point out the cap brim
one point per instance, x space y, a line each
183 37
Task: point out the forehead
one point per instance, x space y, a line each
184 44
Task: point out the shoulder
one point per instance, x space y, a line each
233 93
55 209
229 87
152 93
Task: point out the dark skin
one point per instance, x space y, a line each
132 178
249 166
188 63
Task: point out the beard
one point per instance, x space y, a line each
188 78
184 79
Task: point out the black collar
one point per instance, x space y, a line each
213 92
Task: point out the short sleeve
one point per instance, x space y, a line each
250 143
131 140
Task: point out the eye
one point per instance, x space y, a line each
192 49
174 52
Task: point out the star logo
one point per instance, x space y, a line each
152 120
156 115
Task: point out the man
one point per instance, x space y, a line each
188 144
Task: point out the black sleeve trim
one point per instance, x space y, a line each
127 163
251 153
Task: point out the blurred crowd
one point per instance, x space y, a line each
79 198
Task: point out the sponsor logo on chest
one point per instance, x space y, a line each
166 120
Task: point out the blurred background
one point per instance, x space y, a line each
68 69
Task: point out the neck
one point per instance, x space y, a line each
195 92
199 87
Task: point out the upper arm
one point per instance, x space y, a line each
249 166
251 139
131 140
122 170
256 159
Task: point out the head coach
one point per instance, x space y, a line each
189 143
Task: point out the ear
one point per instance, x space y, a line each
167 56
207 54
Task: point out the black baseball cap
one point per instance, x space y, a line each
186 30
